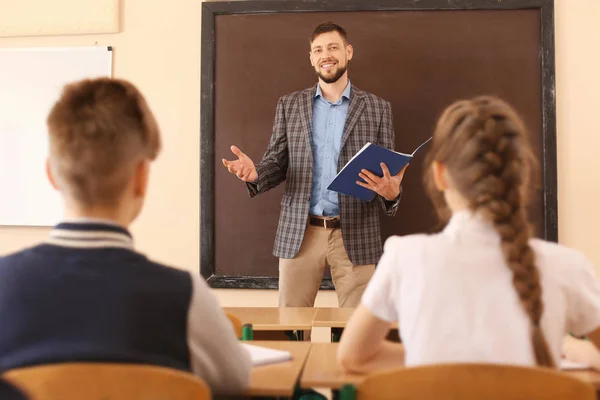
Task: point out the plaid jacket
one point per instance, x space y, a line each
289 157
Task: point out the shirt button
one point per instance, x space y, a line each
328 140
327 157
330 122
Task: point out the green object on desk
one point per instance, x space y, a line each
247 332
347 392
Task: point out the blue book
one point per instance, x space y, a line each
369 158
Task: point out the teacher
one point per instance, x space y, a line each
315 133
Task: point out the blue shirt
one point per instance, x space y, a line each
327 132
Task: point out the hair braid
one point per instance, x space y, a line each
482 144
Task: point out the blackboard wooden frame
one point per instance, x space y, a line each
211 9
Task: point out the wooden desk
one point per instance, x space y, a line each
275 318
278 379
587 375
336 320
323 371
332 317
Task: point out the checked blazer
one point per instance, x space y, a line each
289 158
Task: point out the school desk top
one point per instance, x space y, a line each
323 370
275 318
278 379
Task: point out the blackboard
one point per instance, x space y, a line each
420 56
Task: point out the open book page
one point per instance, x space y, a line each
417 149
397 152
356 155
422 144
263 355
567 365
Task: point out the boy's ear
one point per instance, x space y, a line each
50 175
142 174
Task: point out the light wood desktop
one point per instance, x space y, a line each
322 370
278 379
336 319
588 375
332 317
274 318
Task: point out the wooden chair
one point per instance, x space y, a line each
473 381
107 381
236 323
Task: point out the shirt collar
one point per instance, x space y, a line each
470 223
88 233
345 94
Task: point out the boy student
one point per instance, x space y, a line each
482 290
85 294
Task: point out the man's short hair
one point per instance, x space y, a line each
326 27
99 131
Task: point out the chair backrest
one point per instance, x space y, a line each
107 381
236 323
474 381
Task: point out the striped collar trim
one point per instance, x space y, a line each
90 235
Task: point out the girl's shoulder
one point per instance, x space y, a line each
409 241
558 258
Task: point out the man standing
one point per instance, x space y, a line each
315 133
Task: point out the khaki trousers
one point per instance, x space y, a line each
300 277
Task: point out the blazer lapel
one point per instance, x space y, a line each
356 107
306 111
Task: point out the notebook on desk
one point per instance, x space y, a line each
572 365
263 355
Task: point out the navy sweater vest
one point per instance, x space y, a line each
87 296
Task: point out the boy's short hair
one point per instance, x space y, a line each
99 130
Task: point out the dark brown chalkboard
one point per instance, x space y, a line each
420 60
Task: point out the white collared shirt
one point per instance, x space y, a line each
453 297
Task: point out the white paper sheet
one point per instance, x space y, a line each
263 355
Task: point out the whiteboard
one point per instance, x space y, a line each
31 81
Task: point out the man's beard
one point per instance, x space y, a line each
334 78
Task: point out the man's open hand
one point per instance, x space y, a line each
387 186
243 167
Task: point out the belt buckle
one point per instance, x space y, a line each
324 222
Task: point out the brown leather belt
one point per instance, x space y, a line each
324 222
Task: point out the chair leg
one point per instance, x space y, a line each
336 334
296 336
306 394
